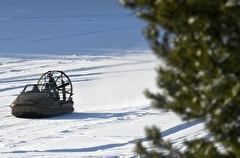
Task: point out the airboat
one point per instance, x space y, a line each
52 95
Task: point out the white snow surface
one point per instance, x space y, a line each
99 45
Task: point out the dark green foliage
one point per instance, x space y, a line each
200 46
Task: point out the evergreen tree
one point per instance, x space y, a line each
200 79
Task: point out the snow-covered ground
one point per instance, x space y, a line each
99 45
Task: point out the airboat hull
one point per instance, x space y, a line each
39 105
40 111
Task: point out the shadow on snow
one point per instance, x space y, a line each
79 116
165 133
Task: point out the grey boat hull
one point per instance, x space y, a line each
39 105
